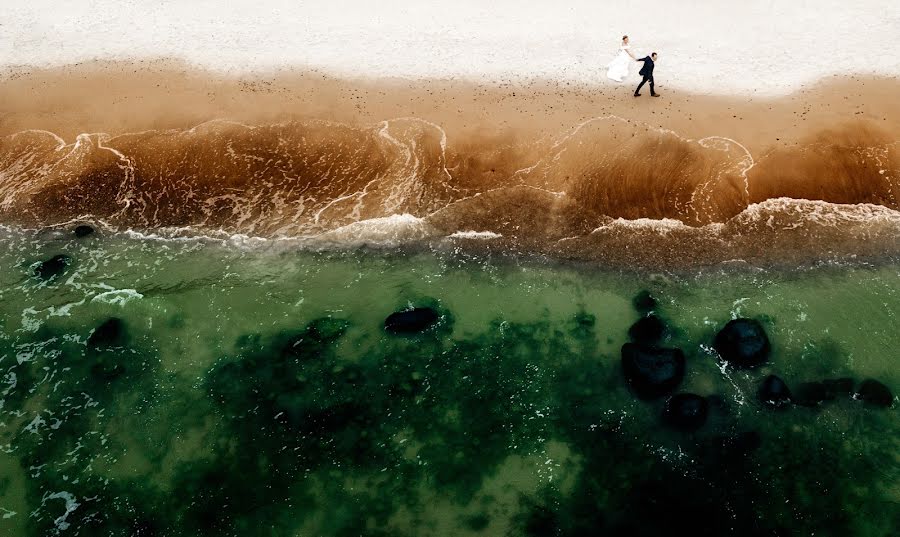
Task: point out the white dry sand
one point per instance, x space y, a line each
762 47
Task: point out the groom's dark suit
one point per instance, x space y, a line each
646 72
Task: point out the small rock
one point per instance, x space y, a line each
83 231
644 302
686 411
743 343
649 329
652 371
53 267
875 393
411 321
774 393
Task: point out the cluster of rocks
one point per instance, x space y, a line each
109 335
775 393
653 370
51 268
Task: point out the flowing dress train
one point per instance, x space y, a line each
617 69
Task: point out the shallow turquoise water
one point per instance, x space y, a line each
255 392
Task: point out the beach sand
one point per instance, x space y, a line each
120 97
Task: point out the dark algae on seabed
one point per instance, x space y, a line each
191 387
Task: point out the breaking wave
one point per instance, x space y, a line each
608 189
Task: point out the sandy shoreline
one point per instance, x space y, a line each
571 171
120 97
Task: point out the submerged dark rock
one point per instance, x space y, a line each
810 394
741 445
411 321
644 302
109 334
649 329
144 528
652 371
327 329
834 388
774 393
107 369
541 522
743 343
53 267
686 411
875 393
719 403
318 333
83 231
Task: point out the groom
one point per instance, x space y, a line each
647 72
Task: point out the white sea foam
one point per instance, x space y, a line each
482 235
385 231
752 46
818 211
664 225
118 297
777 213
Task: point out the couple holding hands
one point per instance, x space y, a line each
618 68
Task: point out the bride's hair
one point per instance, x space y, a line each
624 37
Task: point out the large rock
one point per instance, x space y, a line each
774 393
875 393
53 267
743 343
652 371
686 411
649 329
411 321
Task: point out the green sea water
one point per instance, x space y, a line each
255 392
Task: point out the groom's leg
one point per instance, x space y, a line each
652 87
641 85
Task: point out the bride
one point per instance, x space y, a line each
618 68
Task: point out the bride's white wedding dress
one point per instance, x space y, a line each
618 68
